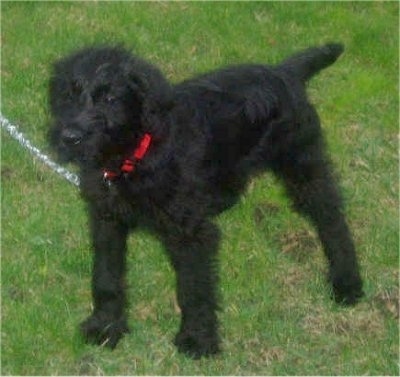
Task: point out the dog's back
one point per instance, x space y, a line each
238 106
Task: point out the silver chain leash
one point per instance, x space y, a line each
19 136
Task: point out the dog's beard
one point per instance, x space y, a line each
96 148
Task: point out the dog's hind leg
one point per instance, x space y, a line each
309 182
107 324
193 255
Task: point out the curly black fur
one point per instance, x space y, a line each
210 135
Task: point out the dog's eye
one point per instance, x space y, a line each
110 99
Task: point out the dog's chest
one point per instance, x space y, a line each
128 205
118 200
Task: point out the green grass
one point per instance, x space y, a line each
277 317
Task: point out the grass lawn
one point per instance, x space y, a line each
277 317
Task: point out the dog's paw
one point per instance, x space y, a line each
347 290
103 331
196 345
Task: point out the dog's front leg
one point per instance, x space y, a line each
107 324
194 257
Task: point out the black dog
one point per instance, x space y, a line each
169 157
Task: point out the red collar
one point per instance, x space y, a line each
129 164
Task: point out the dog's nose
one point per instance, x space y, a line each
71 137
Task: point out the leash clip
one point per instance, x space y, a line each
109 176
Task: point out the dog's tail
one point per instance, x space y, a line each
307 63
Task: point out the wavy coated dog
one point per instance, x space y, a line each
170 157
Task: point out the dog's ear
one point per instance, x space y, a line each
152 91
148 83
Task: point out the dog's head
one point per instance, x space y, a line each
102 100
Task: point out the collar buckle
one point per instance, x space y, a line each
130 163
